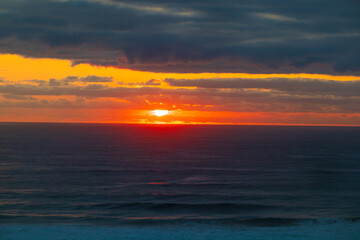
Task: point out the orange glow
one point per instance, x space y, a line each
146 108
160 113
179 117
45 68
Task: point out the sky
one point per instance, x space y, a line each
205 62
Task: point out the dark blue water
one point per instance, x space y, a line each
116 175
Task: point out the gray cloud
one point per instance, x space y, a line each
92 78
297 85
188 36
64 104
18 97
241 95
72 79
153 82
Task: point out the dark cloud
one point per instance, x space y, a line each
18 97
188 36
92 78
238 95
297 85
153 82
72 79
63 103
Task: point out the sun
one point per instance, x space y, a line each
160 113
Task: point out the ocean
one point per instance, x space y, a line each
118 181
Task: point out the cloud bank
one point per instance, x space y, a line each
235 95
317 36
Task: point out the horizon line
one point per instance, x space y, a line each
192 124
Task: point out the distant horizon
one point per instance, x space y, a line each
194 124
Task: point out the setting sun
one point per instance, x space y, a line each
160 113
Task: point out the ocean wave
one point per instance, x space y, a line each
181 207
341 230
180 220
